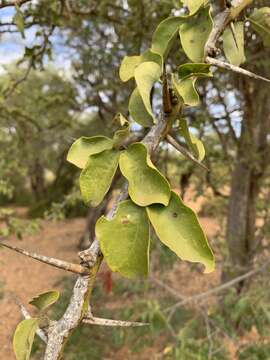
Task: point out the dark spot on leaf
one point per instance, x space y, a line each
175 215
124 221
191 41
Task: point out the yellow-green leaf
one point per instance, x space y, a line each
44 300
192 69
83 147
165 34
194 34
24 337
186 90
177 227
195 144
129 63
185 80
138 111
96 177
233 43
194 5
121 134
146 74
146 185
124 240
260 21
18 20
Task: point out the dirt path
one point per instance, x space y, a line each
25 278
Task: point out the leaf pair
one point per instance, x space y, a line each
26 329
184 81
98 156
124 240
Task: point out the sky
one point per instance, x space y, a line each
12 46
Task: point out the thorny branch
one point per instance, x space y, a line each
59 331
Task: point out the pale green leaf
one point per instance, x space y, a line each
124 131
194 5
186 90
165 34
24 337
138 111
146 184
18 20
44 300
96 177
83 147
185 80
193 69
260 21
233 43
146 74
177 227
194 34
124 240
129 63
195 144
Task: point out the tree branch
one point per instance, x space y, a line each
60 264
184 151
113 323
5 3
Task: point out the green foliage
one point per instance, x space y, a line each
138 111
45 300
185 79
177 227
233 43
96 177
260 21
130 63
124 131
196 146
146 74
146 184
24 337
165 35
194 34
82 148
124 240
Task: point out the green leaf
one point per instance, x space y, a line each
130 63
165 34
44 300
138 111
260 21
192 69
186 90
18 19
185 80
195 144
177 227
24 337
124 240
96 177
233 43
83 147
146 75
194 34
194 5
124 131
146 184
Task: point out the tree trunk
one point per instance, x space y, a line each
248 170
37 180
